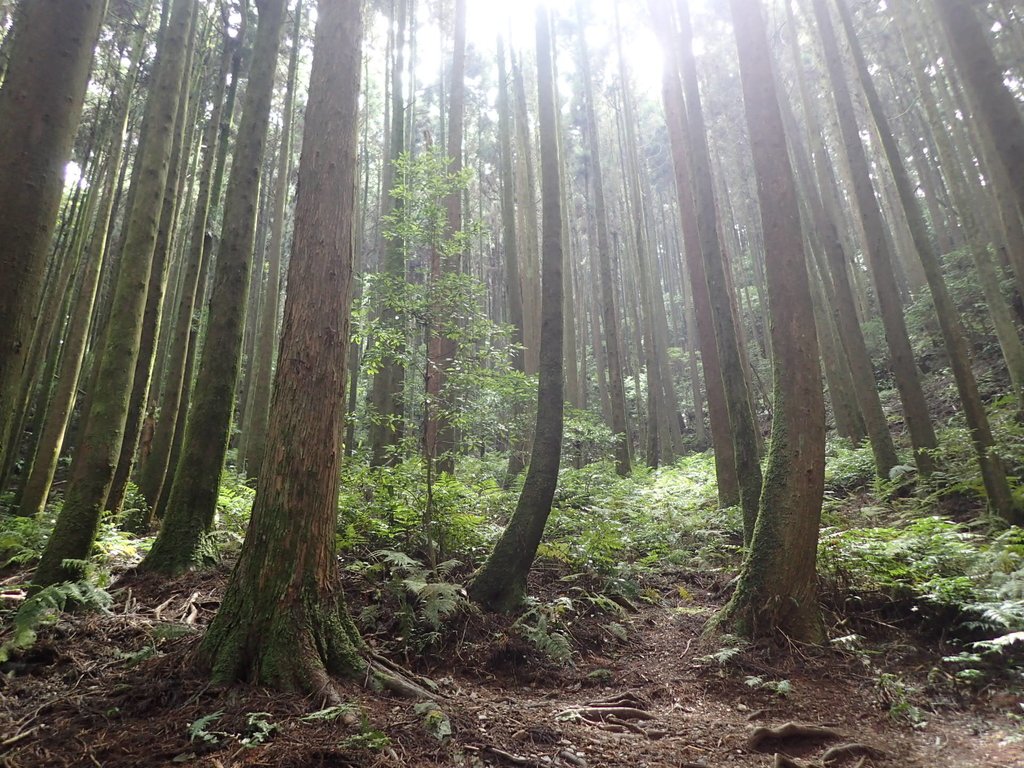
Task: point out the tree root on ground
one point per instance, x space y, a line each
763 734
853 749
616 715
387 675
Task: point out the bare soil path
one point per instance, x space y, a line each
118 690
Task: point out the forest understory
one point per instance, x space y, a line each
556 384
103 689
608 665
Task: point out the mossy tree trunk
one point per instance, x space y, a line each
40 104
192 503
154 469
500 584
283 621
62 402
777 590
92 469
153 318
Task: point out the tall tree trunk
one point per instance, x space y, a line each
745 441
995 107
500 584
386 428
777 590
609 316
92 469
40 104
262 373
825 211
879 252
62 402
992 470
679 138
158 279
155 467
439 436
192 504
283 621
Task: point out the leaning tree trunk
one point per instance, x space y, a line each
880 254
993 473
40 104
92 469
777 591
192 504
995 106
283 621
500 584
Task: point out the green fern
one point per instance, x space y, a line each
46 606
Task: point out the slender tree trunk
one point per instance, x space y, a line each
777 591
154 468
610 322
995 107
679 139
62 402
158 278
386 427
745 441
992 470
192 504
879 252
500 584
40 104
262 373
92 469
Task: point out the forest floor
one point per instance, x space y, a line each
117 689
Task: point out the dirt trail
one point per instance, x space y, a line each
88 695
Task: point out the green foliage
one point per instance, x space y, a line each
329 714
543 625
45 607
234 505
260 729
198 730
781 688
847 468
383 508
411 595
898 695
22 539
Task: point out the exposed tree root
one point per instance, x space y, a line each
853 749
383 674
761 735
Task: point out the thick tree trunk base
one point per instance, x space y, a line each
189 548
303 649
750 615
